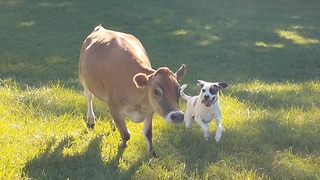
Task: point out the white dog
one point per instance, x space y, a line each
204 107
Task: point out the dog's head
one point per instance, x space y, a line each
209 91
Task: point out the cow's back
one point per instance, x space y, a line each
108 62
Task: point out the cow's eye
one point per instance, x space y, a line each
157 92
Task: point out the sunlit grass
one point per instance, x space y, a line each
279 95
296 38
44 127
263 44
27 23
180 32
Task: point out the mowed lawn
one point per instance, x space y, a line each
267 51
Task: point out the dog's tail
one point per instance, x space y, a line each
183 95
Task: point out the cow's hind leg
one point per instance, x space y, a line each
147 131
90 114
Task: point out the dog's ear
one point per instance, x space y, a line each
200 83
221 85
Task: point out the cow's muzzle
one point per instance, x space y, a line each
175 117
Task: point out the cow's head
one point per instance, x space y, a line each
163 92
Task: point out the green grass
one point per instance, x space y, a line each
268 52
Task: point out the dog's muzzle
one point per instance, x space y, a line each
209 102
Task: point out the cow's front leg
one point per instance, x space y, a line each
122 127
204 126
90 114
147 131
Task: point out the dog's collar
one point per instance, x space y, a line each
209 103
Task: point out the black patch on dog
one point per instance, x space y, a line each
213 89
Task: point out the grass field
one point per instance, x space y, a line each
267 51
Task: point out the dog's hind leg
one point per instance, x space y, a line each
188 119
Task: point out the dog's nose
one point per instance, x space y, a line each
206 97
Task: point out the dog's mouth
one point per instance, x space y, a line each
208 102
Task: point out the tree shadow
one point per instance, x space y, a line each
270 139
275 142
53 164
231 39
279 99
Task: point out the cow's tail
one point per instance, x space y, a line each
183 95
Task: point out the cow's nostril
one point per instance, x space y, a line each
173 117
177 117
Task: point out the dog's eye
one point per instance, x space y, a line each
203 90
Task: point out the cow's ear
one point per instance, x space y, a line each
181 72
140 80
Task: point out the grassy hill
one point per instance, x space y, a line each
267 51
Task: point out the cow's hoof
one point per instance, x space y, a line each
122 144
152 154
90 126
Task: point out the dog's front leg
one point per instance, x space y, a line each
204 126
219 129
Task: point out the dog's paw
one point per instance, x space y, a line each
206 135
218 137
218 134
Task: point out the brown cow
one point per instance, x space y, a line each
115 68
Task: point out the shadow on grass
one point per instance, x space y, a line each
267 146
52 164
277 148
279 99
235 41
